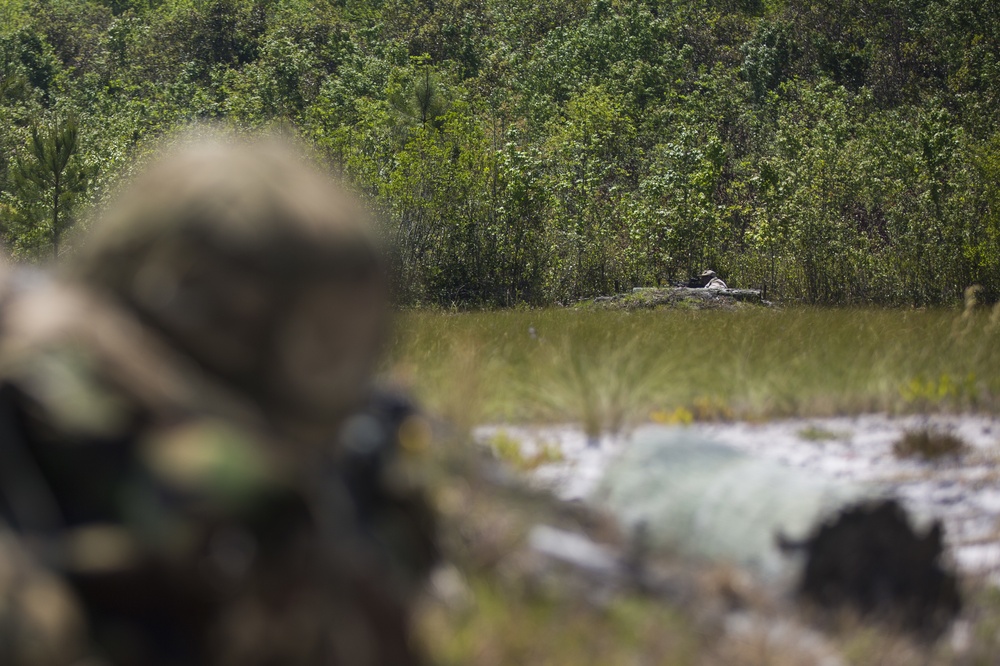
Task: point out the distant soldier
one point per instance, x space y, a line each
194 465
715 283
707 280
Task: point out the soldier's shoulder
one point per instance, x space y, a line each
88 369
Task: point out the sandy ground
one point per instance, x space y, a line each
963 492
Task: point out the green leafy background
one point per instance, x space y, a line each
835 151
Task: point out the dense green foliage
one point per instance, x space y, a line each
835 151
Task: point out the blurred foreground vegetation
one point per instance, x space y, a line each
836 151
609 369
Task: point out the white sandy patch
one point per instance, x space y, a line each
964 492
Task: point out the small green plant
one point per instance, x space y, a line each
509 450
679 416
547 453
944 389
929 444
814 433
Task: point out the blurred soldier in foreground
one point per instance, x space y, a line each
194 467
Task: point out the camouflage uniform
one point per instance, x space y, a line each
707 280
194 467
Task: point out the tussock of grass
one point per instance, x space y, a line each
929 444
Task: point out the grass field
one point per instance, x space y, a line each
611 369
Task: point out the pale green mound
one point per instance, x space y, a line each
702 499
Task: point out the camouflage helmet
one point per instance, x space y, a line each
253 263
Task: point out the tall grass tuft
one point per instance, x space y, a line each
929 444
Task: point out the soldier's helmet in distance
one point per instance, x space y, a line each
252 261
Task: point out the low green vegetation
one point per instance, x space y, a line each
607 369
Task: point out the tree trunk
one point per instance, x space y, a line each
56 192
